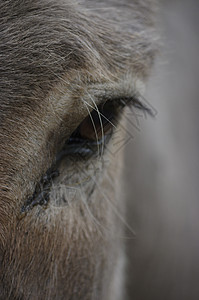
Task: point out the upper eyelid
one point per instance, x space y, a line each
136 101
130 96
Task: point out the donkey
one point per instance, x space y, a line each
68 71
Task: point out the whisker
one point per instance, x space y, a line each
100 113
94 127
101 125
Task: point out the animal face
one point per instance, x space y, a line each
68 70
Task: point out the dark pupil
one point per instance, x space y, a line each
95 125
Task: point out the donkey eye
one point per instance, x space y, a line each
96 126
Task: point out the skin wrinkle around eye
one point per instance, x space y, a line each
80 142
61 101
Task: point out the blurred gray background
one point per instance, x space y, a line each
162 168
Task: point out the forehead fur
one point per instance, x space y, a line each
41 40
